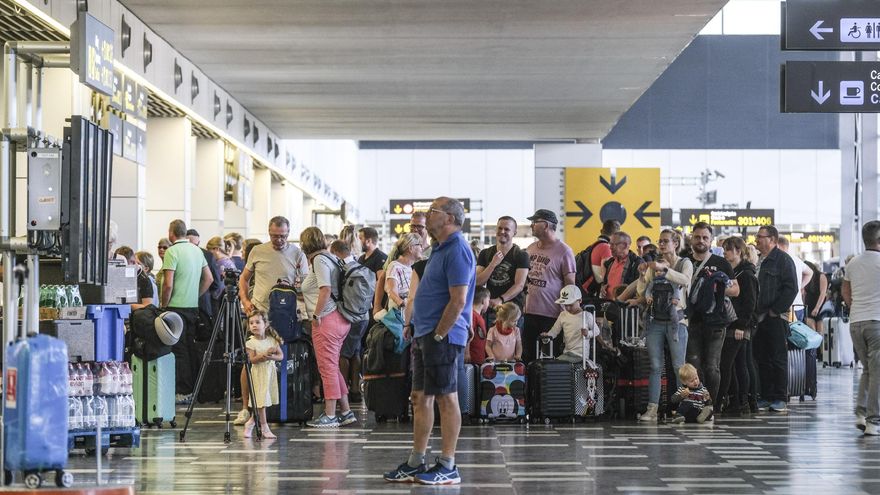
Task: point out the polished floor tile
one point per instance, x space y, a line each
813 447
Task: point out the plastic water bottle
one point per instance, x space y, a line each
74 414
101 413
88 412
113 411
127 378
115 378
88 385
103 379
128 401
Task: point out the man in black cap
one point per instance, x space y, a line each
551 267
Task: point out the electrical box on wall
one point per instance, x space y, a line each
44 189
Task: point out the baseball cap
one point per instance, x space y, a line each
569 295
169 327
546 215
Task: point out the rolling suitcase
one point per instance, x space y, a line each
550 388
468 399
153 384
503 391
632 383
589 389
837 347
35 410
797 372
294 386
387 396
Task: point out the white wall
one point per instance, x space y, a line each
803 186
335 160
503 179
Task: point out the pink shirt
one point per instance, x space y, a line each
503 347
547 269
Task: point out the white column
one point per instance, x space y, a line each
169 171
262 203
208 191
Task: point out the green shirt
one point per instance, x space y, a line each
187 260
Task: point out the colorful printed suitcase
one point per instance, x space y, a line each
589 393
154 386
503 391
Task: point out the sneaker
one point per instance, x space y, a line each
243 416
183 399
650 415
705 414
778 406
324 421
677 420
860 422
404 473
439 475
763 405
872 429
348 418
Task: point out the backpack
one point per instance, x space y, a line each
282 311
707 298
701 299
661 308
584 270
142 340
353 290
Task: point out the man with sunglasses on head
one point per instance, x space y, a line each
551 267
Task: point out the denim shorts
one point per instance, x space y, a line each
435 365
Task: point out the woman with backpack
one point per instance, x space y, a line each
329 327
667 325
737 368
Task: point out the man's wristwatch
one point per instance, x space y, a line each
438 337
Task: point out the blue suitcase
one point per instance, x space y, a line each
35 410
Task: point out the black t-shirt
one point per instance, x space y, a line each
504 275
145 287
375 262
714 264
419 267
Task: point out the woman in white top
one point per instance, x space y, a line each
399 271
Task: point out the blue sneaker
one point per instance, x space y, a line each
348 419
404 473
324 421
778 406
763 405
439 475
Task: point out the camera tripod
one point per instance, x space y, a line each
229 322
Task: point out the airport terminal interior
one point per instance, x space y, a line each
269 130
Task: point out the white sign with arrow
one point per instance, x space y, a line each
823 95
817 30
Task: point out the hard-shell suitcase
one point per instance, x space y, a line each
387 396
797 372
550 388
635 371
589 390
468 399
153 384
837 349
503 391
35 410
294 386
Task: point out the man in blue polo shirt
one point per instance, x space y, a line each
441 316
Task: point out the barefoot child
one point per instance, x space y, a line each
263 347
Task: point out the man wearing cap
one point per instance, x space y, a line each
551 266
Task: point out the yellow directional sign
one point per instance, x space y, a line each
594 195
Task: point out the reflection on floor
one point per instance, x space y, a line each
815 447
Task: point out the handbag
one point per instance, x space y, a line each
802 336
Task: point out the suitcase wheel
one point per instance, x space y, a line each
546 421
33 480
837 365
63 479
173 423
522 420
381 419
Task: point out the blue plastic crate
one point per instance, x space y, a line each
109 322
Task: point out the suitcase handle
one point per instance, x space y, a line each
538 352
584 340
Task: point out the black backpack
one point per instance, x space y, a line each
142 339
661 308
584 271
282 311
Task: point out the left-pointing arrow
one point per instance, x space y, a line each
817 30
640 214
584 214
823 95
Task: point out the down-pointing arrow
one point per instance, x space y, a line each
584 214
817 30
614 186
640 214
823 95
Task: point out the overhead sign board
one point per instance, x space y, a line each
830 25
400 226
831 87
594 195
410 206
728 218
91 52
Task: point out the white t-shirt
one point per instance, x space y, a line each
799 267
402 274
570 325
863 274
322 274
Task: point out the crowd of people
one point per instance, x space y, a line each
454 304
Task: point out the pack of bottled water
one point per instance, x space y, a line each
100 393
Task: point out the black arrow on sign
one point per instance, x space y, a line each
614 186
640 214
584 214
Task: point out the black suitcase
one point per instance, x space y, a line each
550 385
387 396
635 371
213 387
294 385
